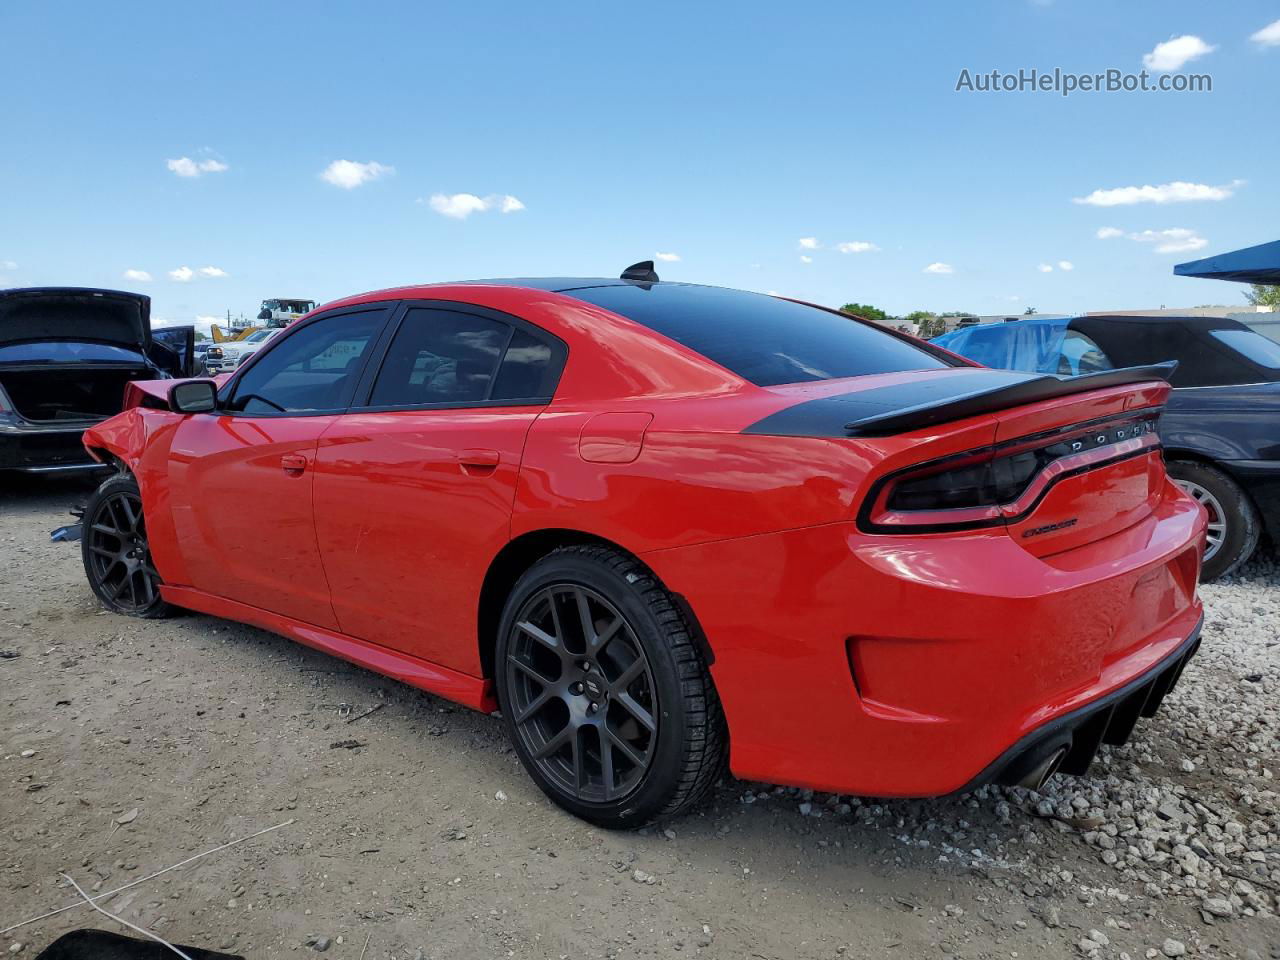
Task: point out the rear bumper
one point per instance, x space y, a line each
1071 741
33 449
918 666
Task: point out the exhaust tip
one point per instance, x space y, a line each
1039 775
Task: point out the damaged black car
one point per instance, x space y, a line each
66 354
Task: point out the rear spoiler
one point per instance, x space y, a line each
971 403
903 407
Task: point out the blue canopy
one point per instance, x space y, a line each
1260 264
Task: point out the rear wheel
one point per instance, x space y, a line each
605 695
117 557
1234 527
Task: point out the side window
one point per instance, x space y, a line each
1081 355
313 369
526 372
447 357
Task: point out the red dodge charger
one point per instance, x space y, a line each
663 527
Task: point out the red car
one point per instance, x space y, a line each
663 526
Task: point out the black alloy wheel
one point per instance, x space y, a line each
117 558
604 690
582 692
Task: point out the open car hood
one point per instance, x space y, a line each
36 314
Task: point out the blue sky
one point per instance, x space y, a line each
723 134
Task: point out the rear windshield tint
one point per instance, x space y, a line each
762 339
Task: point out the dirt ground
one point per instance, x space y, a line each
424 838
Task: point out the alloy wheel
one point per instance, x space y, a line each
1216 532
119 558
582 693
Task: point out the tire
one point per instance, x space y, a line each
1234 524
594 654
113 547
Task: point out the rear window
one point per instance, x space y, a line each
67 352
1263 352
762 339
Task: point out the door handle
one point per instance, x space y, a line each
479 462
293 463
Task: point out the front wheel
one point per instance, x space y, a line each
117 558
605 694
1234 527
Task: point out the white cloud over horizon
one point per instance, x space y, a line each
1175 52
8 265
459 206
805 259
1268 36
1176 191
186 167
1066 265
1170 240
349 174
809 243
939 268
667 257
182 274
138 276
857 246
213 272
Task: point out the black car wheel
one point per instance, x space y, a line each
1234 527
605 694
117 558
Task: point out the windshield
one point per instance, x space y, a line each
256 337
67 352
765 340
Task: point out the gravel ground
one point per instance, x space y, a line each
127 746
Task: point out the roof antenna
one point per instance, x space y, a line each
642 271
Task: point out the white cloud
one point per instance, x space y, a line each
1179 191
939 268
857 246
668 257
804 259
1108 233
809 243
213 272
1268 36
140 276
462 205
1172 240
182 274
457 205
349 174
1045 268
1176 51
1066 265
8 265
186 167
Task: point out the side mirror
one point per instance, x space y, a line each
193 396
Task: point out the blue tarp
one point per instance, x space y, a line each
1260 264
1031 344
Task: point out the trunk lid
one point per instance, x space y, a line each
1107 473
37 314
1058 462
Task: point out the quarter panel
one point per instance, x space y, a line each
1224 423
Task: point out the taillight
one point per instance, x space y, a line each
997 484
